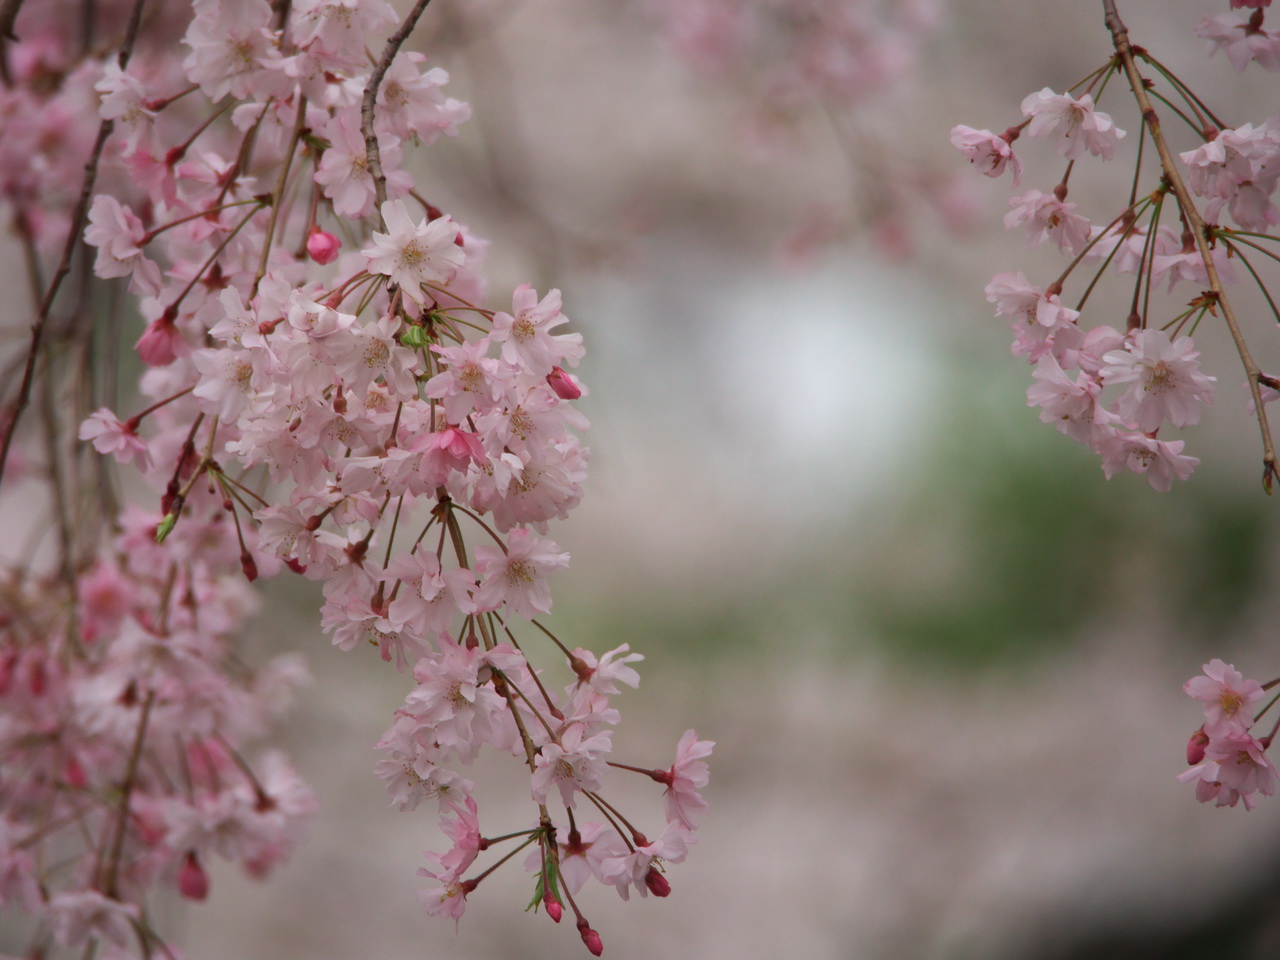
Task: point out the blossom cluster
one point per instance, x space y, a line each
125 714
324 394
1116 388
1228 763
789 64
802 52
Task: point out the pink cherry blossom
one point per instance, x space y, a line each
1160 461
1166 380
1073 124
1047 217
632 870
524 333
121 440
413 254
1235 767
687 776
991 154
517 577
575 764
1243 42
447 897
1227 696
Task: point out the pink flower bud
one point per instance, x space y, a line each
1195 746
193 882
657 883
36 677
323 246
7 667
74 774
554 910
565 386
590 938
161 343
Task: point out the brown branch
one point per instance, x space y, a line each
68 250
112 866
373 156
8 16
277 196
1199 230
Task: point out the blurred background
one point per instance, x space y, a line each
940 655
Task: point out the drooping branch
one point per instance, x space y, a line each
68 249
373 156
1196 223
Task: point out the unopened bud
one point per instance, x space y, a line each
74 774
656 882
37 679
565 387
193 882
554 910
415 338
248 566
165 526
1195 746
323 246
590 938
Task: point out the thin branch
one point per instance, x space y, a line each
277 196
8 16
1120 38
373 157
112 866
68 250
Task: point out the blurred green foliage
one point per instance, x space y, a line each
1006 540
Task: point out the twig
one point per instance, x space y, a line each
126 791
8 16
373 156
69 248
1120 39
277 196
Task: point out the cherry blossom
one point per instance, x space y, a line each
347 411
986 151
413 254
687 776
121 440
1166 378
1073 124
1235 767
1227 696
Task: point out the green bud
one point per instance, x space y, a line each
165 526
415 338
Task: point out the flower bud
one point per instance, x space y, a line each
554 910
248 566
74 774
656 882
323 246
1195 746
415 338
565 387
590 938
166 525
193 882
